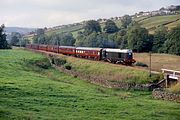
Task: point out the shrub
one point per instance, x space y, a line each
175 88
41 63
59 61
141 64
67 66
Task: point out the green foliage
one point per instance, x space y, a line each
40 31
67 39
59 61
174 88
43 63
68 66
96 40
141 64
172 45
138 38
3 42
126 20
110 27
41 39
160 36
92 26
15 38
80 39
64 39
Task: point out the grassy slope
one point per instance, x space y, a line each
110 72
66 29
26 93
152 22
160 61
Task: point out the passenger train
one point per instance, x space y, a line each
122 56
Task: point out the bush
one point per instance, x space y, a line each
59 61
141 64
175 88
41 63
67 66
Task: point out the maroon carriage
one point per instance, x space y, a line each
90 53
67 50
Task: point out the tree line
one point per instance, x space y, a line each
130 35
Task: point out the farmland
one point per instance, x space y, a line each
152 22
29 91
159 61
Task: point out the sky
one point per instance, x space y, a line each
49 13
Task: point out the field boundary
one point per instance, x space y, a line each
164 95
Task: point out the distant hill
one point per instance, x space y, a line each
21 30
150 23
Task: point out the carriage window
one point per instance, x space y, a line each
120 55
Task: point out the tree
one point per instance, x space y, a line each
172 45
110 27
40 31
121 39
138 38
160 36
80 39
126 20
15 38
67 39
3 42
92 26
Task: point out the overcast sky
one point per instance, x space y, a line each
41 13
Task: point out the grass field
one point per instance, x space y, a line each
111 72
153 22
159 61
33 93
66 29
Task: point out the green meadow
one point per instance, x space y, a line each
30 89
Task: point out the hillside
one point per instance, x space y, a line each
149 23
30 89
21 30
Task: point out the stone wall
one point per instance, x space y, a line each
164 95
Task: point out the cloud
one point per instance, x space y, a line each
41 13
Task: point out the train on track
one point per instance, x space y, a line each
118 56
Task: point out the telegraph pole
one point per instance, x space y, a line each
150 64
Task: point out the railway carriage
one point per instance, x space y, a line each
52 48
43 47
56 48
87 52
29 46
67 50
35 46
